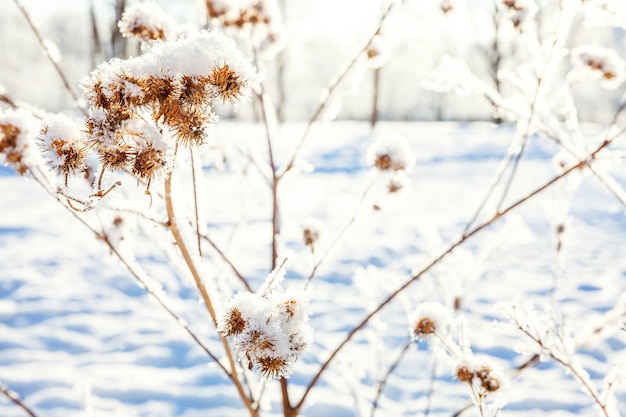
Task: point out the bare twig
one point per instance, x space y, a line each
383 380
339 235
46 52
326 100
182 247
15 398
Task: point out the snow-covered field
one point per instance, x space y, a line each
79 337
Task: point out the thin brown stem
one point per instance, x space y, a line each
46 52
225 258
385 378
15 398
572 369
326 100
182 247
339 235
195 199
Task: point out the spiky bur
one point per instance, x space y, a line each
311 231
391 153
429 319
63 145
482 375
377 52
147 22
519 12
392 156
16 140
271 331
262 18
601 64
141 107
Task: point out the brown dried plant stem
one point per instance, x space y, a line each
180 244
460 241
15 398
265 111
56 66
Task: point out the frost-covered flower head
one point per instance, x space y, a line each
520 12
377 52
398 181
481 373
262 17
17 130
391 153
147 22
311 230
141 106
270 329
63 145
152 155
600 63
429 319
446 6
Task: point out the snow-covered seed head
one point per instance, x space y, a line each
311 230
228 85
480 373
232 323
63 145
391 153
377 52
428 319
424 327
147 22
9 147
149 161
446 6
273 366
190 125
398 181
520 11
463 374
253 13
115 156
601 63
192 90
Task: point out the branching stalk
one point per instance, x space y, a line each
443 255
15 398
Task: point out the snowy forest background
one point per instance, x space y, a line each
505 231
